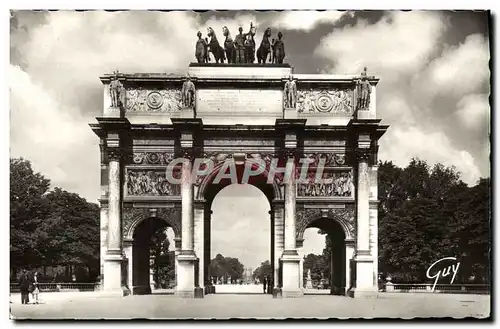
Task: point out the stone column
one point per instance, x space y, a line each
104 238
290 258
114 252
364 259
199 243
278 239
186 258
177 241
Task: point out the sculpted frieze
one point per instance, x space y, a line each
344 216
333 184
338 101
150 183
163 158
152 100
327 159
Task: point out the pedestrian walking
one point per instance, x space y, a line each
264 284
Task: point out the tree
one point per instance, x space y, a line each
320 268
263 270
28 209
70 233
226 267
162 258
426 214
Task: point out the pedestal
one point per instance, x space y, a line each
365 287
186 275
290 113
187 113
113 286
291 271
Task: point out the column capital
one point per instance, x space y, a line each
362 154
114 154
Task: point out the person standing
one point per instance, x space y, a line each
264 284
36 290
24 286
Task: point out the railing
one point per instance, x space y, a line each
440 288
60 287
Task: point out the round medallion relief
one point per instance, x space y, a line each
324 103
154 100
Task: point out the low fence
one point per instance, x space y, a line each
60 287
440 288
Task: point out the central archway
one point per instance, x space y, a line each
208 190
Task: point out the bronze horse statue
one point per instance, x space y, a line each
229 46
214 47
265 47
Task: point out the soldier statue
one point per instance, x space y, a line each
363 90
188 93
239 44
116 91
290 93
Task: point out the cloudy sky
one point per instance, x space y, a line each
433 90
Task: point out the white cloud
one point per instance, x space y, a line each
473 111
401 144
459 70
401 42
52 137
307 20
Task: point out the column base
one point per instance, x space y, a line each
291 269
185 274
113 284
363 293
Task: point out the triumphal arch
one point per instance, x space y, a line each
170 143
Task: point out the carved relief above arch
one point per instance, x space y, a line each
344 216
132 217
219 159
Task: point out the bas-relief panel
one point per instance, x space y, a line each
153 100
334 184
149 182
336 101
345 216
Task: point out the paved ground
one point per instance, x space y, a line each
225 306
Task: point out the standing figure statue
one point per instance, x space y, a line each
214 47
279 48
250 44
363 91
290 93
201 49
116 91
229 46
265 47
273 51
188 93
239 45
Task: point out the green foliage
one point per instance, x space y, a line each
49 227
163 264
319 266
263 270
226 267
426 214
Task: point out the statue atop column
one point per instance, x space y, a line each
279 49
250 44
201 49
290 93
363 91
188 93
116 91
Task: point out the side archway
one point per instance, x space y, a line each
344 217
132 217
